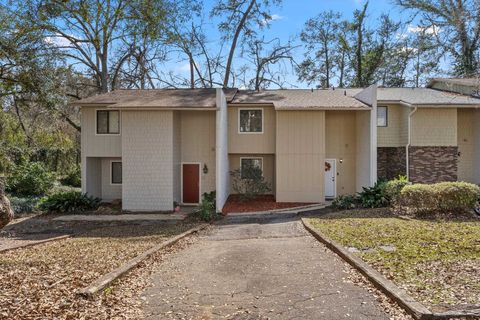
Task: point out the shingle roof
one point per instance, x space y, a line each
302 99
424 96
468 82
158 98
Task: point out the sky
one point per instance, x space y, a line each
288 20
290 17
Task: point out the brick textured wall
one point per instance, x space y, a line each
391 162
433 164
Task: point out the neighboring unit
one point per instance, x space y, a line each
431 132
152 148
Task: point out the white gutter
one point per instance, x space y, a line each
409 141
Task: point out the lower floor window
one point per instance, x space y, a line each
116 172
251 167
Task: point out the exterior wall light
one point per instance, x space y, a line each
205 169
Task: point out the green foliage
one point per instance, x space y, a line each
394 187
30 179
208 210
374 197
210 196
345 202
73 178
23 204
444 197
250 183
68 202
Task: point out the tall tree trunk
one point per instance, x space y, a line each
358 54
327 66
6 211
192 72
228 67
342 70
104 70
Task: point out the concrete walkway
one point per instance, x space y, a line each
123 217
267 268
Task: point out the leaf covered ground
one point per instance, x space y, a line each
40 282
437 261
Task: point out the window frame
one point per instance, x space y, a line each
386 116
111 172
250 109
108 122
250 158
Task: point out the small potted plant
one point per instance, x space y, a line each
176 206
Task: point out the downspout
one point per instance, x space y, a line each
407 162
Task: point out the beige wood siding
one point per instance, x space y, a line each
109 191
92 176
395 134
268 167
340 144
147 158
466 145
476 147
251 142
363 146
434 127
198 143
94 145
300 157
177 156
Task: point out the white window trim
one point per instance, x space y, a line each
263 121
250 158
119 123
199 183
386 116
111 173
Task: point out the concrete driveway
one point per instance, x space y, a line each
257 269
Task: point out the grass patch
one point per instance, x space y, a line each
436 261
42 280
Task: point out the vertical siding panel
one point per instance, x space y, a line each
252 143
300 156
466 143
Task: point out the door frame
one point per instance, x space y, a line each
199 182
334 177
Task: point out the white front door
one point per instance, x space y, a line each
330 178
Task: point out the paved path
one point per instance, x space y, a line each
257 270
124 217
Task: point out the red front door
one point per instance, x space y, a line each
191 183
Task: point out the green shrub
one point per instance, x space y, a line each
23 204
210 196
73 178
394 187
374 197
444 197
60 188
345 202
68 202
208 210
249 183
30 179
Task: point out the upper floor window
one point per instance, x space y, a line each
108 122
382 116
250 121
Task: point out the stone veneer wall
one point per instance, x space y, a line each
433 164
391 162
